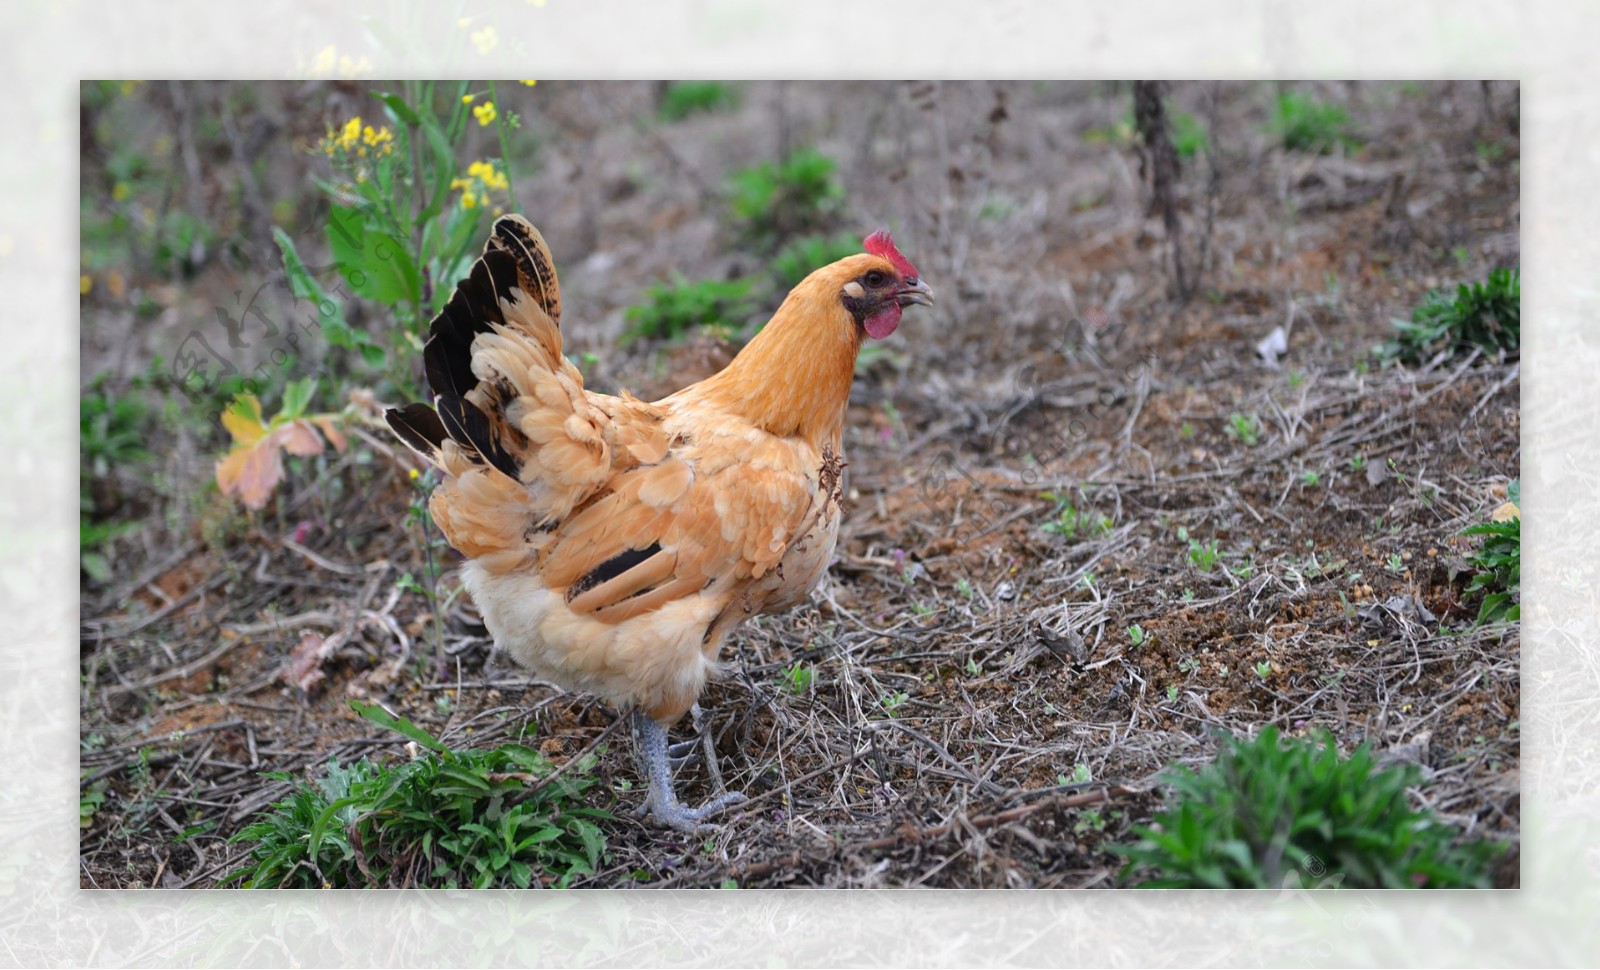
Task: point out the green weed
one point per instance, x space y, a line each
674 309
1268 809
774 201
685 98
446 819
1303 123
1486 315
799 677
1499 565
1244 428
1069 522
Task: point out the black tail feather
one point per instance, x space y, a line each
515 257
418 426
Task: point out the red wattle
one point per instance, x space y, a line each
882 323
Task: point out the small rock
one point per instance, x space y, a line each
1402 612
1273 346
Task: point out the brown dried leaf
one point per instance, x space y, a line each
329 423
250 472
304 669
299 437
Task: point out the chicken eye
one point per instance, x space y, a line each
875 278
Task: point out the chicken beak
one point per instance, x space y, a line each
915 292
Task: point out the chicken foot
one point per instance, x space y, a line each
650 739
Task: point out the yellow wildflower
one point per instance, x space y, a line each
351 133
380 140
528 83
119 191
127 86
485 114
485 40
464 23
414 474
482 179
467 98
485 173
85 284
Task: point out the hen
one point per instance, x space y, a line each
613 544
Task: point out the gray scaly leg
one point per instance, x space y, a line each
662 800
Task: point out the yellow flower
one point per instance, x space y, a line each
380 140
119 191
414 474
464 23
481 180
85 284
485 40
127 86
350 134
467 98
485 114
485 173
528 83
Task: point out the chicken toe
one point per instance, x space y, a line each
662 800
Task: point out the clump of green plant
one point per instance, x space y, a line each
1069 521
774 201
795 261
1486 315
1188 134
112 430
1305 124
1499 564
446 819
685 98
679 307
891 702
1269 809
799 677
1203 556
1244 428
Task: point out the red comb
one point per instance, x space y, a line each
882 244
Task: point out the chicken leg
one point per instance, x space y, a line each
650 739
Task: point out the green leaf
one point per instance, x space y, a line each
383 718
330 314
444 167
347 230
397 105
296 396
393 273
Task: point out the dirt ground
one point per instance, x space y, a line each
1232 543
